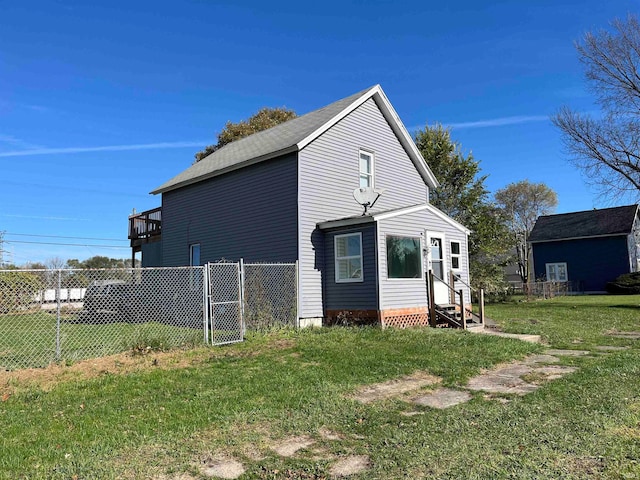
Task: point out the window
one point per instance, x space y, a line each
404 257
557 272
437 258
455 255
348 255
194 254
366 169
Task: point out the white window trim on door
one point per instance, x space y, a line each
443 239
556 265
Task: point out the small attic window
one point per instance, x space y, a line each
366 169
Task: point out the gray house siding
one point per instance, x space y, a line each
152 254
353 295
402 293
249 213
328 174
591 262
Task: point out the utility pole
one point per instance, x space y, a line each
1 248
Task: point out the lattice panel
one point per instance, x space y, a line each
407 320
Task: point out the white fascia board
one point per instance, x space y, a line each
345 222
222 171
448 219
346 111
405 139
399 212
577 238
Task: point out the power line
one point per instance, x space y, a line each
59 236
68 244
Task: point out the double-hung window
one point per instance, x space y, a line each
557 272
348 257
366 169
455 255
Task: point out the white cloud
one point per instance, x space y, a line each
106 148
499 122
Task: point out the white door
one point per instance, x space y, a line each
438 265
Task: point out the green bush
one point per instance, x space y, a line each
626 284
18 290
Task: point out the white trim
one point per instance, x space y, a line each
431 234
556 264
448 219
394 122
348 257
578 238
371 173
399 212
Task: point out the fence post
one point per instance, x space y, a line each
463 314
242 312
297 294
205 301
432 303
481 306
58 354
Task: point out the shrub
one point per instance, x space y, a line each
626 284
18 290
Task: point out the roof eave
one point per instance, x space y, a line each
222 171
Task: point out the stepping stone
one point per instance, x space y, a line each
443 398
536 359
567 353
395 387
627 335
504 380
610 348
289 446
554 372
224 468
350 466
518 336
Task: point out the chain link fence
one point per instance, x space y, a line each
551 289
49 316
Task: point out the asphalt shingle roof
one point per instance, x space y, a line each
590 223
267 143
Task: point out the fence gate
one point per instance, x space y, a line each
225 303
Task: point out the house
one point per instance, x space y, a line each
587 248
286 194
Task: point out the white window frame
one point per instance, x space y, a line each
347 257
456 255
556 265
370 176
191 248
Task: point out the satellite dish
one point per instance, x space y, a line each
367 197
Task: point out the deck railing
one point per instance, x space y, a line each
145 225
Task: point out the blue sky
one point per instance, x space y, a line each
101 102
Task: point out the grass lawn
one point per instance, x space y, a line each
175 412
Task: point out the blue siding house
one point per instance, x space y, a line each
286 194
587 248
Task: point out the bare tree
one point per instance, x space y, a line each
607 149
522 203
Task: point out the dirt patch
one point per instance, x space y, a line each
610 348
222 468
567 353
350 466
289 446
327 434
395 387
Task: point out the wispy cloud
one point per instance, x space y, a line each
17 143
106 148
500 122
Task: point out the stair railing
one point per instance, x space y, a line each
480 292
432 302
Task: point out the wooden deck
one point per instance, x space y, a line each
145 227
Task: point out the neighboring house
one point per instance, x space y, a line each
587 248
286 194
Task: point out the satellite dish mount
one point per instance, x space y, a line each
367 197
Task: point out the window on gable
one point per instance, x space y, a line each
455 255
557 272
348 257
366 169
404 257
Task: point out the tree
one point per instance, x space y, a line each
522 203
463 196
263 119
607 150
